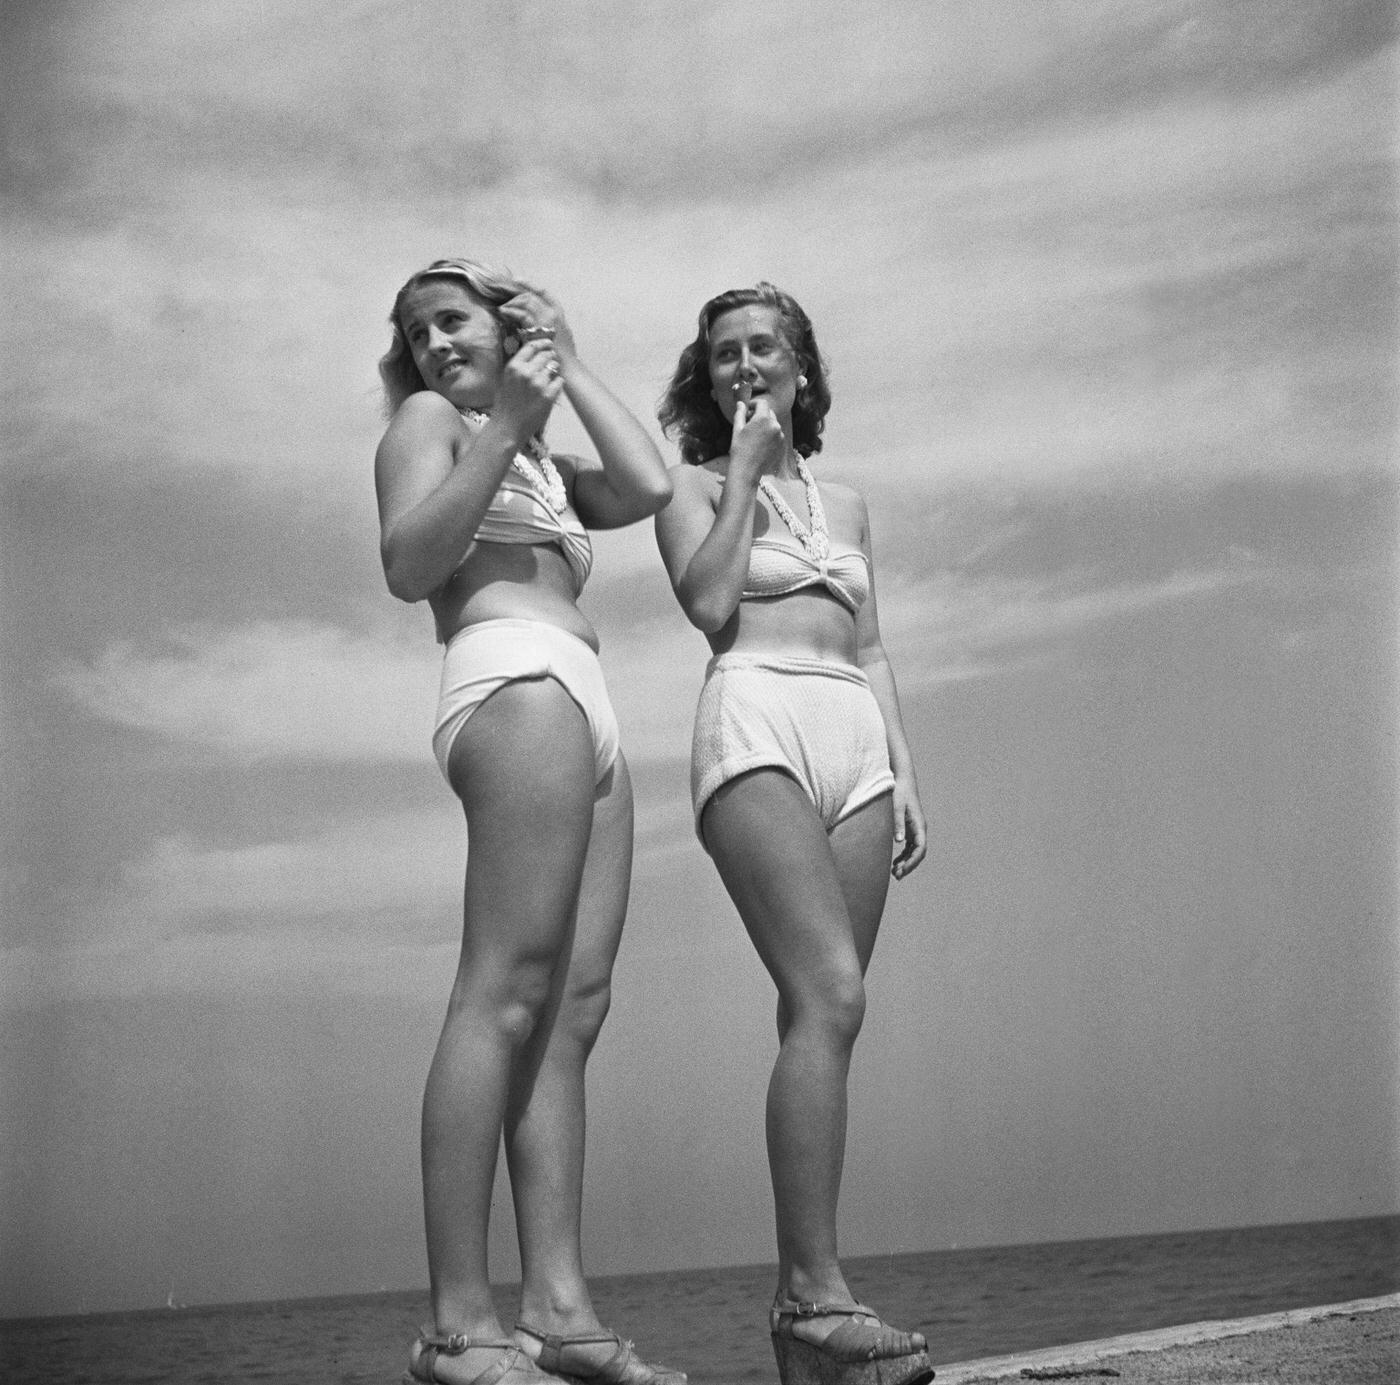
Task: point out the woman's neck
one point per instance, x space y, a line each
787 467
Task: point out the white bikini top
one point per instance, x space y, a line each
516 514
532 506
777 568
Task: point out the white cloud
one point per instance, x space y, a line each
292 690
948 629
1014 264
194 914
367 906
986 301
303 691
404 865
936 629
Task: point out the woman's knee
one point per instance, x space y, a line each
834 1005
512 1001
848 1005
583 1011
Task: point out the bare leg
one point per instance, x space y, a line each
811 903
523 768
545 1137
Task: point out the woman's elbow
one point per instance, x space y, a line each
659 494
651 496
405 591
706 614
402 581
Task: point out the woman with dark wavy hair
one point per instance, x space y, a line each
483 522
802 784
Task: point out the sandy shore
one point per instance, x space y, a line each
1340 1344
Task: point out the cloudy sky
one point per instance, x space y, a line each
1108 289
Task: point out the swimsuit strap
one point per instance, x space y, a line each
816 540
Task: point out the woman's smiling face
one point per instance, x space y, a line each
455 340
748 347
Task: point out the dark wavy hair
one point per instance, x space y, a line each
492 286
688 409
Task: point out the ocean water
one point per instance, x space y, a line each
712 1323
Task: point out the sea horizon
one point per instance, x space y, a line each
970 1301
504 1286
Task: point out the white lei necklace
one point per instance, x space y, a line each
538 468
816 541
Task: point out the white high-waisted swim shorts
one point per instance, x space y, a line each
817 721
483 658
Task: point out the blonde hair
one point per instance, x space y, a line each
492 286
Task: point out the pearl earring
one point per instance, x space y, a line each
802 382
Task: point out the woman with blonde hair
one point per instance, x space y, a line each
482 521
801 779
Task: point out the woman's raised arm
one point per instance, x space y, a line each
631 483
705 543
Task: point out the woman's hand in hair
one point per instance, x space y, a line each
535 314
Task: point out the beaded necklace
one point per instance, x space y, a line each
538 468
816 541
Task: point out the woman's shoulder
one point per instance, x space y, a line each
695 496
698 478
425 431
424 420
426 409
845 507
839 491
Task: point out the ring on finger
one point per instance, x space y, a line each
536 334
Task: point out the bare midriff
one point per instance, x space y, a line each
809 623
511 581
